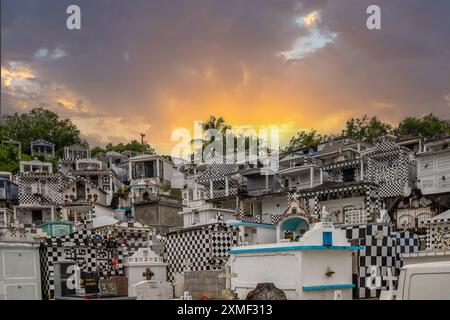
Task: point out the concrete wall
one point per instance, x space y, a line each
274 205
204 283
24 215
101 211
159 215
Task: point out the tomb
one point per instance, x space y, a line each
149 174
380 254
198 248
9 191
153 290
438 232
57 228
206 283
312 265
103 250
43 147
71 283
160 212
19 266
144 264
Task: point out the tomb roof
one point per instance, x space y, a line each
42 142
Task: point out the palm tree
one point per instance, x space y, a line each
217 124
213 123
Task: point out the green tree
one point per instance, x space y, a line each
217 124
9 158
133 145
366 129
306 139
40 124
213 123
429 126
97 150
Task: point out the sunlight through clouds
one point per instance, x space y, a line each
314 39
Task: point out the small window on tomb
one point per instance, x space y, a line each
348 174
196 218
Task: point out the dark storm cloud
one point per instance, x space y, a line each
162 62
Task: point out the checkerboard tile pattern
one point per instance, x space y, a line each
378 250
389 166
438 234
202 248
405 242
90 256
40 188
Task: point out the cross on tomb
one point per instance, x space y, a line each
186 296
148 274
227 274
390 279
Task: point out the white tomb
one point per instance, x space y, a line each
144 264
153 290
317 265
20 276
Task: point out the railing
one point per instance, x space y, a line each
161 197
221 193
357 216
264 219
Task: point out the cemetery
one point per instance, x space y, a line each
334 223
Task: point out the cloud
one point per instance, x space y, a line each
308 44
158 65
313 40
27 89
50 55
310 19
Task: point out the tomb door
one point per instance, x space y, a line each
348 174
36 216
149 169
81 190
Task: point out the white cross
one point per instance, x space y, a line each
390 278
186 296
227 275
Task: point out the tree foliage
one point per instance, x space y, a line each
40 124
366 129
369 129
133 145
9 158
428 126
306 139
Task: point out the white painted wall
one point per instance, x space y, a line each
274 205
20 277
290 270
206 213
337 206
101 211
250 235
266 235
431 170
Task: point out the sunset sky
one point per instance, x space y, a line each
156 65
